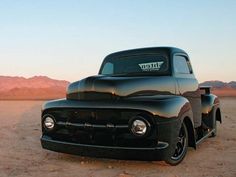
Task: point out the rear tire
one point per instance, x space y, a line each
214 133
181 147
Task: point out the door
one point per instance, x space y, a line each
188 85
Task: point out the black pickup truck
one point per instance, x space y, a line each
144 104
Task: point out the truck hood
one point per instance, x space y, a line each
102 87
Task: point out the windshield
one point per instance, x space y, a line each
136 65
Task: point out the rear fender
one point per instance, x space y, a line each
209 101
210 109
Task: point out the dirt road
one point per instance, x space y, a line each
21 153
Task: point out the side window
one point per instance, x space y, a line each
182 65
108 69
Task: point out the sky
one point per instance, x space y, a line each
68 39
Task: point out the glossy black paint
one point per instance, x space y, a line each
108 87
101 107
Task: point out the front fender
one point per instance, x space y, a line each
170 106
170 114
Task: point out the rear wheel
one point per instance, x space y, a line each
181 147
213 134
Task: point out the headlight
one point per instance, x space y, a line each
139 127
49 123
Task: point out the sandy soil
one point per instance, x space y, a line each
22 155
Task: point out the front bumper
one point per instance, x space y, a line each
127 153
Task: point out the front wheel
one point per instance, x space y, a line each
181 147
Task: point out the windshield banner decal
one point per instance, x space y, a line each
153 66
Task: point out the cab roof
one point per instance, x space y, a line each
150 50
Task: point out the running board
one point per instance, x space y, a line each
205 137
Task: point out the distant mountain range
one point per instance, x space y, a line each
220 84
220 88
45 88
34 88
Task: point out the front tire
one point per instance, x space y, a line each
181 147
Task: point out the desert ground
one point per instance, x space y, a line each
21 153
